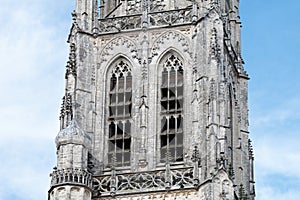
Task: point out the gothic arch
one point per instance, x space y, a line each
170 107
118 112
117 48
168 51
114 59
111 124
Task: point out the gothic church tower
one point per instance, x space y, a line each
156 103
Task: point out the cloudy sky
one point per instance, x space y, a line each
33 54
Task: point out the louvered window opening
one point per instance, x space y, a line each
119 119
171 103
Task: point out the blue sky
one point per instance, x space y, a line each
33 54
271 51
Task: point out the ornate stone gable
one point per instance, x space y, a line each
223 186
178 40
120 45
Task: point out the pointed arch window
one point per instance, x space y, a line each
171 110
119 116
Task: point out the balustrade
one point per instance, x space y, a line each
77 176
154 19
151 181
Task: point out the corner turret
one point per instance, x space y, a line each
70 178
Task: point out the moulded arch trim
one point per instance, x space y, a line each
119 45
167 52
114 42
178 41
106 66
109 66
105 69
114 60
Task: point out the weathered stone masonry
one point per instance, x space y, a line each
156 103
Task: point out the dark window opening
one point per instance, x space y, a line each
112 130
113 82
164 93
127 144
164 106
164 125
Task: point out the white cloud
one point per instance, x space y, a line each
278 112
27 167
276 155
276 146
33 52
267 193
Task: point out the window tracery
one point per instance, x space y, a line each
134 6
119 116
171 110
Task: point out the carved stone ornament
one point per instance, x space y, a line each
157 5
117 45
71 64
72 175
135 17
144 181
172 37
173 17
134 6
66 111
215 49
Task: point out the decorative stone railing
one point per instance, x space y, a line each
118 24
172 17
153 19
150 181
71 176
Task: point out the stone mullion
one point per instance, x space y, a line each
123 103
176 92
124 119
167 115
123 142
116 115
115 141
176 112
117 98
176 137
168 90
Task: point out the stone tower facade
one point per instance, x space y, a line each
156 103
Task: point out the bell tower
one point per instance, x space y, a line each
156 103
